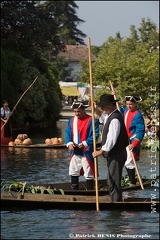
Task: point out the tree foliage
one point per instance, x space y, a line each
18 73
34 27
32 35
67 19
132 64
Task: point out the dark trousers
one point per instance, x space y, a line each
115 165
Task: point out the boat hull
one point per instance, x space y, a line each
40 145
30 201
36 146
76 199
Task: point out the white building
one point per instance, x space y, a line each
74 54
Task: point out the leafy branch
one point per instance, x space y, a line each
22 187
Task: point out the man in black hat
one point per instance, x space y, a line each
79 140
114 143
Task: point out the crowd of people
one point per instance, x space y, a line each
123 131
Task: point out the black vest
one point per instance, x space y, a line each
122 140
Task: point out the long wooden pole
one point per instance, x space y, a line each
93 125
137 171
133 158
115 98
14 108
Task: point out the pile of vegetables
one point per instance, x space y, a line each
126 183
22 139
22 187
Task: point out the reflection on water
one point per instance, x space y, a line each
34 165
51 154
10 152
40 166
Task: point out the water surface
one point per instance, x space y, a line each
51 165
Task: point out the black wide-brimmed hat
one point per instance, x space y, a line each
106 98
79 105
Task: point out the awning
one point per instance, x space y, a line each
70 91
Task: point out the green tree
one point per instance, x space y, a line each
32 34
130 66
67 19
95 50
18 73
146 29
11 75
118 35
134 34
27 28
33 28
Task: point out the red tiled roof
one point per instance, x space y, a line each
76 53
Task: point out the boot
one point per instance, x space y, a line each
74 182
90 184
131 174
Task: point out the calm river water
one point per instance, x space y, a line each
51 165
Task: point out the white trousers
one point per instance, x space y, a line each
129 162
76 163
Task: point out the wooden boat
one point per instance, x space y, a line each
41 145
13 200
65 198
102 185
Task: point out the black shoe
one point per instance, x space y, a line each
74 183
131 174
90 184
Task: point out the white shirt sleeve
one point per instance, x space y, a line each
102 118
113 133
2 112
